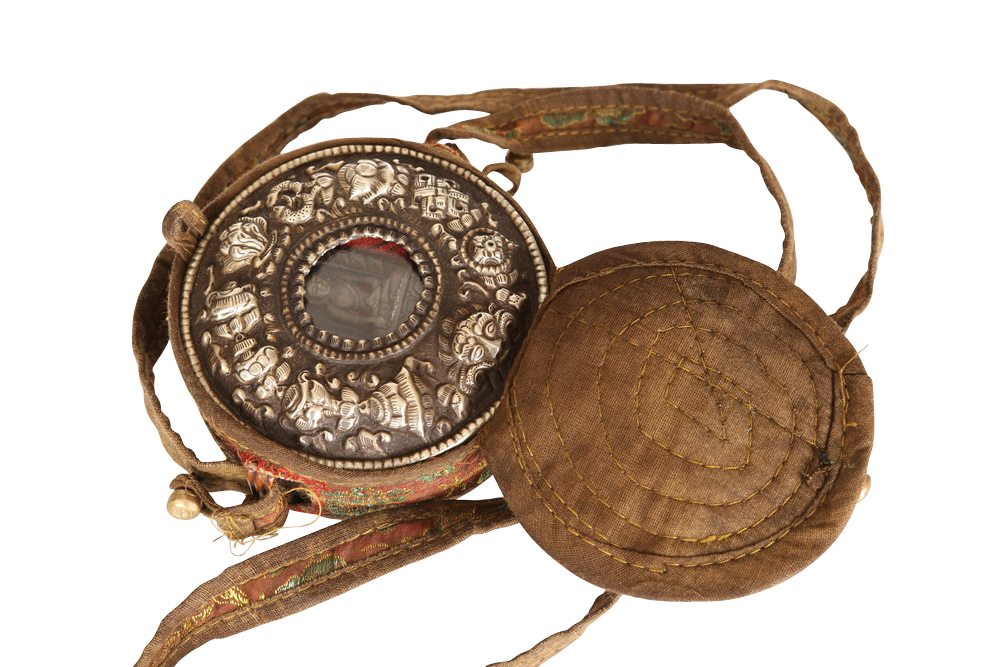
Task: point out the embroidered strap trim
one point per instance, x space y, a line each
300 574
332 561
574 119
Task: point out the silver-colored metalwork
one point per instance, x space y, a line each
246 241
367 180
325 345
490 256
440 199
293 202
232 311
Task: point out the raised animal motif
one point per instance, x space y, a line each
294 203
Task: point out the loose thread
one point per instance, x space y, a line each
315 500
231 529
843 388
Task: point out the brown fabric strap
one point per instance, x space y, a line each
835 121
550 646
554 119
149 339
330 562
258 515
306 114
573 119
300 574
536 120
580 118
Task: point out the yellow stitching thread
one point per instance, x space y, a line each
511 409
667 565
639 264
607 107
731 380
257 604
743 347
594 493
748 404
719 278
666 131
701 357
758 411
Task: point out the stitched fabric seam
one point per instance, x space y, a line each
701 358
777 472
640 566
721 278
666 131
762 413
812 378
610 107
518 442
333 575
760 363
639 264
602 500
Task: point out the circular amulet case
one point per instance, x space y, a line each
682 423
347 319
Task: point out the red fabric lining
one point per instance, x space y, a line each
379 245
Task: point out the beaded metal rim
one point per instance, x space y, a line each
484 187
320 242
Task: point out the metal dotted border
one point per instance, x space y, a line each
311 250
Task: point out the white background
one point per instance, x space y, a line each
112 113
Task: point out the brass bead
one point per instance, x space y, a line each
865 488
524 163
183 505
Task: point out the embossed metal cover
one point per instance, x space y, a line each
361 303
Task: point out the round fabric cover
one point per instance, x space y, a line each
682 424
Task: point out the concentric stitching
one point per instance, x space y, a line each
758 411
597 496
696 265
773 334
513 408
701 359
792 433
